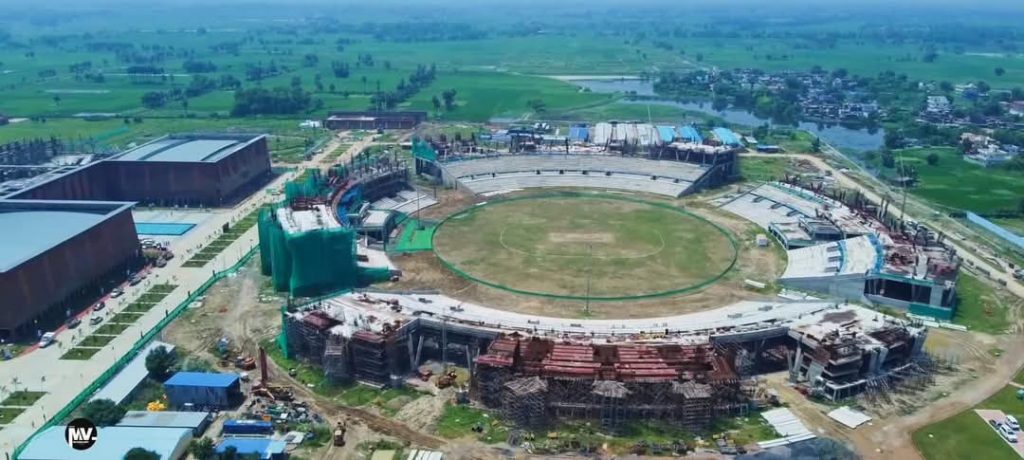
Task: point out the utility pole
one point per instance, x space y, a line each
590 258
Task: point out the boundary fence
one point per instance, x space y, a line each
119 365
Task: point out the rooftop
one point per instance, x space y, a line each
191 148
32 227
164 419
111 442
202 379
265 447
121 386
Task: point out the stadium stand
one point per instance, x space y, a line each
490 174
630 182
853 256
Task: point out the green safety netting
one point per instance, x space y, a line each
311 185
310 262
422 149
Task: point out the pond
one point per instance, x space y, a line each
841 137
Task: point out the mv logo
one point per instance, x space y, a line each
80 434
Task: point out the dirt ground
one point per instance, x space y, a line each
424 271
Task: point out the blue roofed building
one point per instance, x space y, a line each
266 448
203 390
111 443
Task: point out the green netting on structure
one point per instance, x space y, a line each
422 149
312 184
308 263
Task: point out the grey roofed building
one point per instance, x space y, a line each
32 227
188 148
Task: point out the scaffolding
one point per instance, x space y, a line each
610 397
524 401
369 358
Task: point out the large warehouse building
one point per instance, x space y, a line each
57 255
178 170
70 236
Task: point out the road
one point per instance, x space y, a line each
62 380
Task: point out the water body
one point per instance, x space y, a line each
838 136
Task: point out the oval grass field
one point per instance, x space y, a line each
551 246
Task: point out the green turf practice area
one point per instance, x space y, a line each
551 245
966 435
416 236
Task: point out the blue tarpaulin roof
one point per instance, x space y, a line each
578 133
265 447
726 136
667 133
202 379
690 133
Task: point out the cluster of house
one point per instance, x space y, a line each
985 151
826 96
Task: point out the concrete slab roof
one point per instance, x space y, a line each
32 227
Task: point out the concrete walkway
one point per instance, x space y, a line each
62 380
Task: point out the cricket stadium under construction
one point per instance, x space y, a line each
332 234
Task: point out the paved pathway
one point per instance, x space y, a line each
62 380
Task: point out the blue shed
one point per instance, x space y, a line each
247 427
203 390
266 448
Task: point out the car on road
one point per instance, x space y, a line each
1007 433
73 322
994 424
1011 422
135 279
99 306
117 292
95 319
47 339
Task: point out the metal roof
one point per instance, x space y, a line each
188 148
111 443
164 419
202 379
32 227
121 386
263 446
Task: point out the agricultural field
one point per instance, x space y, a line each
957 184
553 245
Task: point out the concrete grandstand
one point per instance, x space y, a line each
489 174
856 252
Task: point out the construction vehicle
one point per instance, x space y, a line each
245 362
339 434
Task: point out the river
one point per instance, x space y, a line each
841 137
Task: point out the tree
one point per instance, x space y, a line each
56 99
946 86
1000 71
982 87
138 453
201 449
932 159
154 99
436 102
537 105
449 99
161 363
103 412
816 145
